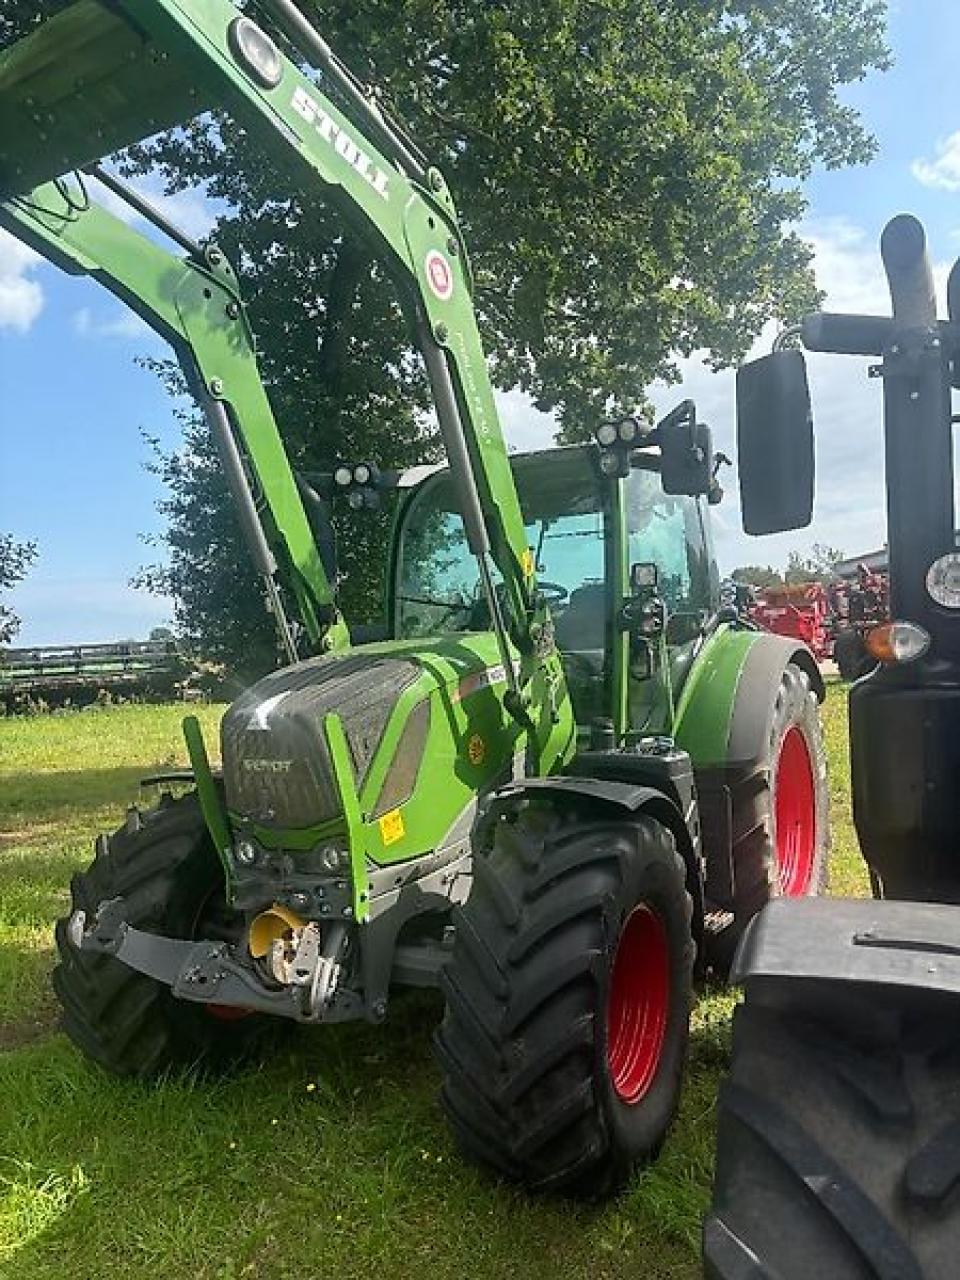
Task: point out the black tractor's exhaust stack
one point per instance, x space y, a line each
919 444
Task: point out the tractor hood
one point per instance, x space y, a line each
391 701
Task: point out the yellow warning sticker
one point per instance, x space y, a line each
391 827
527 562
476 749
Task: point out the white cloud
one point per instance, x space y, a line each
524 426
849 511
121 324
943 172
191 210
21 296
850 505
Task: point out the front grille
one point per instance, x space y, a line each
276 765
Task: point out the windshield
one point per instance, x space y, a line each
437 585
668 530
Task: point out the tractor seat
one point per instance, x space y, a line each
581 625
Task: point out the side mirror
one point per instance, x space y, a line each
686 452
775 443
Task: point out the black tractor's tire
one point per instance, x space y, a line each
163 864
761 851
851 656
839 1141
536 1044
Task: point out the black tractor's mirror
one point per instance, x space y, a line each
775 443
686 452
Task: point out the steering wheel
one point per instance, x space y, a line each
552 592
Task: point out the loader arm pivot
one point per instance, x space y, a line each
195 306
137 66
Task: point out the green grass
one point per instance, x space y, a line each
333 1159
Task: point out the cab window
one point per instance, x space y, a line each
437 588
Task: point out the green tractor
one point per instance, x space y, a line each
564 781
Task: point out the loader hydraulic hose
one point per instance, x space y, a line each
146 209
249 518
315 49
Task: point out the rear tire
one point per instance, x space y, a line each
781 829
568 998
839 1140
163 864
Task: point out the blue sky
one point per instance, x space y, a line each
73 402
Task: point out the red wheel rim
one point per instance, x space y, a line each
227 1012
795 816
638 1004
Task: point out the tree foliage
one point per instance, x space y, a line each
15 560
629 176
818 565
758 575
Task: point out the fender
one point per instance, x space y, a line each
630 798
724 720
727 702
876 944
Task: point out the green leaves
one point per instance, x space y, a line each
15 560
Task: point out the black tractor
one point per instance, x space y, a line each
839 1126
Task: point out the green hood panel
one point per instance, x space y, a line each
426 730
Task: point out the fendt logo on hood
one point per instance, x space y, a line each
267 766
340 140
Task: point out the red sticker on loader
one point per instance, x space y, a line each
439 275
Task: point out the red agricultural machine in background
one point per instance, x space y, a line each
801 611
856 607
833 619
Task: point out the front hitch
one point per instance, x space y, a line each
210 972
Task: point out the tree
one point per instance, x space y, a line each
819 565
15 560
759 576
161 633
629 175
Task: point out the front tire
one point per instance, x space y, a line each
163 864
568 998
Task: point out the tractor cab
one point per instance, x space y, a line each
600 544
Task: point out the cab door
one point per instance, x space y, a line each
671 532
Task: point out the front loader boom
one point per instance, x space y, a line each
136 67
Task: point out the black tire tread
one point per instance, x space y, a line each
752 804
838 1144
125 1021
517 1042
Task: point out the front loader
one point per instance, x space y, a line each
839 1127
565 778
